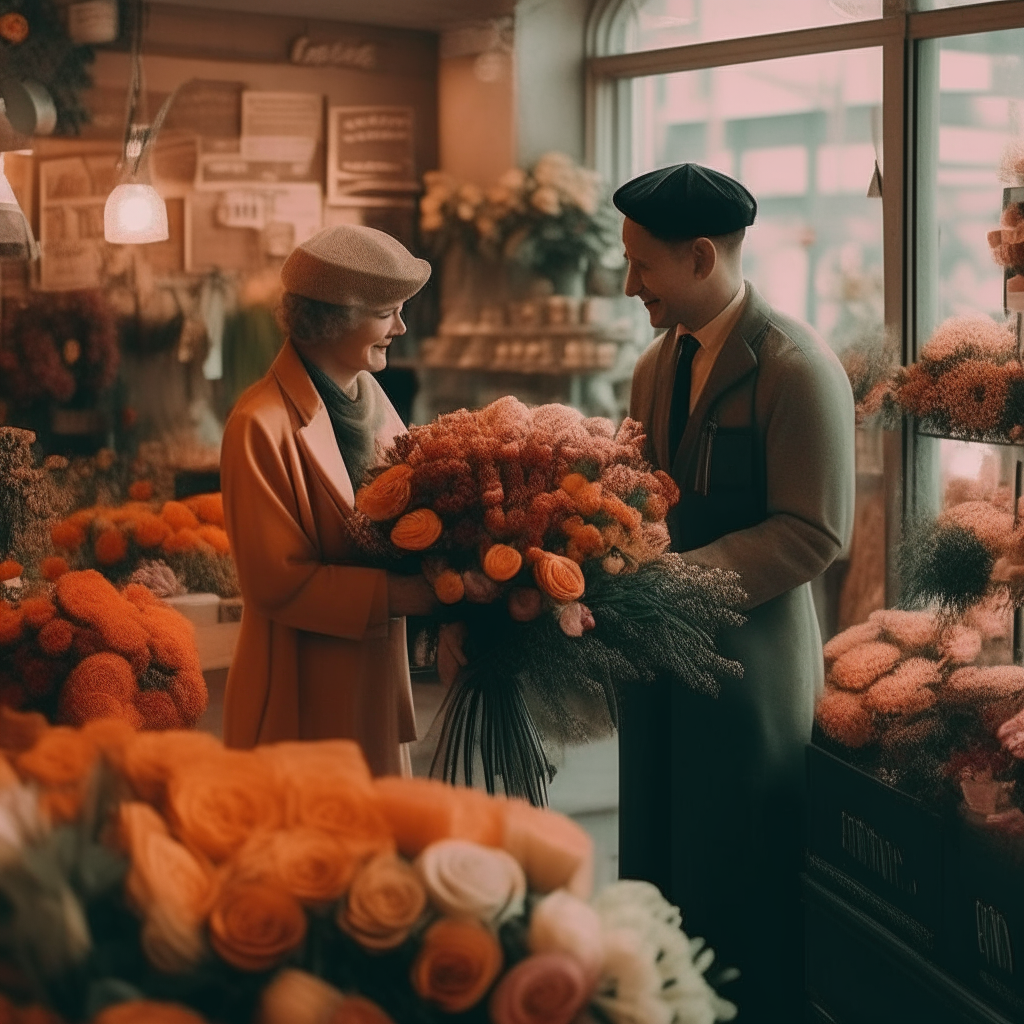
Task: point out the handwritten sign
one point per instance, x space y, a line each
371 156
337 54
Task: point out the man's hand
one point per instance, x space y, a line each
410 595
450 656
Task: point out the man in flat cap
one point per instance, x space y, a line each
322 650
752 415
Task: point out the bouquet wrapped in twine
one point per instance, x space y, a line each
545 533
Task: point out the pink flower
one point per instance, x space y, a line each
859 668
911 631
576 619
548 988
1011 735
862 633
991 525
905 691
843 717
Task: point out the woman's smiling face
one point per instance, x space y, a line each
365 346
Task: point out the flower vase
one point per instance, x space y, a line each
468 285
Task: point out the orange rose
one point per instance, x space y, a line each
295 997
182 540
111 547
449 587
559 577
104 673
157 710
342 807
385 901
111 736
61 756
151 758
295 763
416 531
254 925
388 496
456 965
178 516
315 867
554 851
357 1010
145 1011
502 562
10 569
214 807
53 567
14 27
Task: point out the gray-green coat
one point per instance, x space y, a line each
731 769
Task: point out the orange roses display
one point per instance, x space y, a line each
388 496
253 926
417 531
384 903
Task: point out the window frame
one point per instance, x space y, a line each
897 32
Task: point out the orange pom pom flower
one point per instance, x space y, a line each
502 562
449 587
559 577
141 490
111 547
54 567
416 531
388 496
9 570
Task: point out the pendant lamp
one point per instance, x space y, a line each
16 240
135 213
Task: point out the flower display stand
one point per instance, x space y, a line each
217 623
910 915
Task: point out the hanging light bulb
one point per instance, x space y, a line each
135 213
16 240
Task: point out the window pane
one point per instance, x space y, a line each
661 23
801 134
935 5
971 104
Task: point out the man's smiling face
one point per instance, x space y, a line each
661 274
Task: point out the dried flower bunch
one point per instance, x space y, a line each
545 532
58 347
78 649
187 535
552 216
284 884
969 381
869 366
913 689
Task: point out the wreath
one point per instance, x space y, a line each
58 347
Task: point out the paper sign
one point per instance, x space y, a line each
283 127
371 156
239 209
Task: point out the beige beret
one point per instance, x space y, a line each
354 265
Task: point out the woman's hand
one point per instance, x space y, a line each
450 656
410 595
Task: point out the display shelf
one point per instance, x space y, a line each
942 435
545 352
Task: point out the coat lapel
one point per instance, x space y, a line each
734 362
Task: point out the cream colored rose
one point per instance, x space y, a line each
295 997
464 879
563 923
545 199
172 944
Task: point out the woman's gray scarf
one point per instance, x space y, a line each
356 421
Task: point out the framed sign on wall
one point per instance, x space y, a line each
371 157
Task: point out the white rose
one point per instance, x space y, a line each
172 944
562 923
630 985
622 902
464 879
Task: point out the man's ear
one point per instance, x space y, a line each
705 256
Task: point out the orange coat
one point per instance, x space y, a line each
317 656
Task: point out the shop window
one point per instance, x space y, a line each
801 133
661 23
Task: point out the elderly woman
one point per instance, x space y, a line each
322 651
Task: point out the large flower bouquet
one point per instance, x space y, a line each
285 885
79 649
545 532
187 535
916 697
968 382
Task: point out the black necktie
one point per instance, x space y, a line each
681 393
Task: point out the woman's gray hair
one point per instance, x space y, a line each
309 321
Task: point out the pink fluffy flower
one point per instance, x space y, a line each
860 667
1011 735
973 684
843 717
960 645
911 631
969 336
576 619
862 633
906 691
992 526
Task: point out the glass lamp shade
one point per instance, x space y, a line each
134 214
16 241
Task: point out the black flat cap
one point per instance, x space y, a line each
686 201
